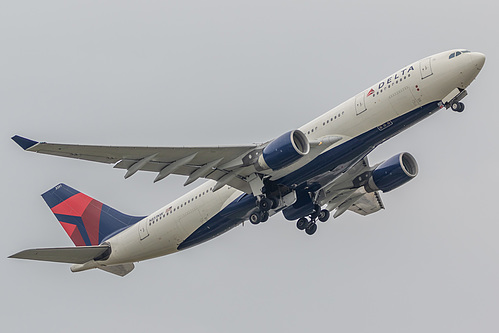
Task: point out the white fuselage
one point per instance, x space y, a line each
432 79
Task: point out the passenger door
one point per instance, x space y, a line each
143 232
360 103
425 68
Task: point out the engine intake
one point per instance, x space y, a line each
394 172
284 150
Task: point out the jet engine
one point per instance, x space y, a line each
392 173
284 150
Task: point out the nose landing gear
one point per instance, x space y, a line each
455 103
457 106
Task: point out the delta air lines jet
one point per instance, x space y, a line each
307 173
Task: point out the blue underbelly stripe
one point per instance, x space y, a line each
313 175
356 148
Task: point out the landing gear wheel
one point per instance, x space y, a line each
255 218
315 214
323 215
302 223
265 204
265 217
457 106
311 229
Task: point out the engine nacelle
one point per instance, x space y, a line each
392 173
284 150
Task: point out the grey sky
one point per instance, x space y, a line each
223 72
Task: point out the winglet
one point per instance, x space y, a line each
23 142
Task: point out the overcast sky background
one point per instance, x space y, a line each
171 73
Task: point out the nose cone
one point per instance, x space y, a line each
471 66
478 60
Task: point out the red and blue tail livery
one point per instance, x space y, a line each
86 220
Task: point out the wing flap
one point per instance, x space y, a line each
367 204
155 166
72 255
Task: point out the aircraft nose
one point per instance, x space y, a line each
478 59
472 65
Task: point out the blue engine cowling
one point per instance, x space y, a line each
284 150
392 173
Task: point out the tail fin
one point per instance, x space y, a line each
86 220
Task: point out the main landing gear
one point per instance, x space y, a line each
265 204
310 226
259 217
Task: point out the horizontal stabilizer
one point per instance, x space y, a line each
72 255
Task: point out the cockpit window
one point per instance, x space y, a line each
458 53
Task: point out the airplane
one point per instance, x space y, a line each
306 173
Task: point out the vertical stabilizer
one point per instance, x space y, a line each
86 220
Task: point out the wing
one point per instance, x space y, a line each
72 255
348 193
226 164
